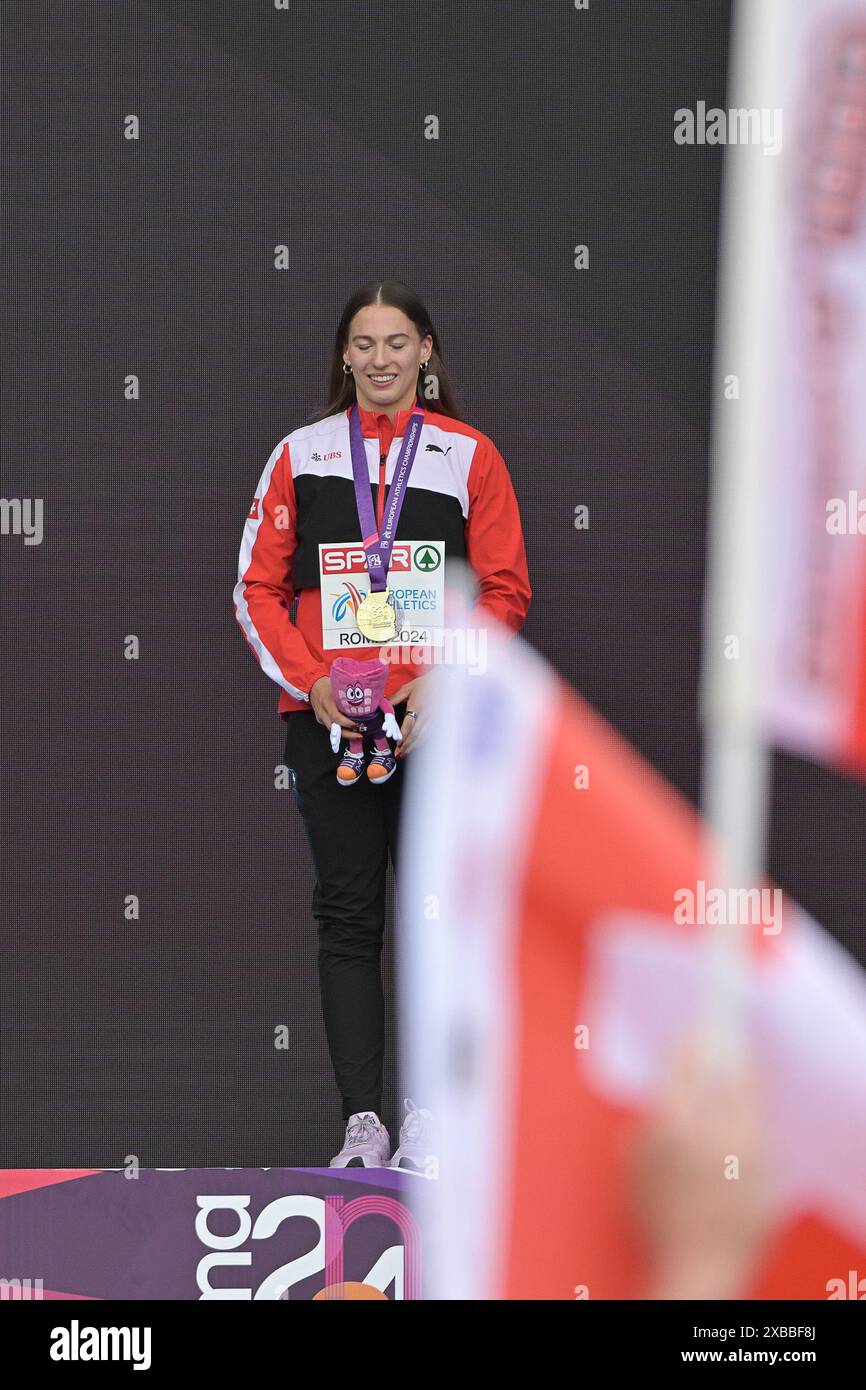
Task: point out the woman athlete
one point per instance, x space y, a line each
354 519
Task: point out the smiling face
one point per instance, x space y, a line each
358 685
356 695
384 343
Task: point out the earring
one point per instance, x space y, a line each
347 370
424 366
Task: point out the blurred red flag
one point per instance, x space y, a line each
786 611
546 978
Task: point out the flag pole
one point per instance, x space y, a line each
737 758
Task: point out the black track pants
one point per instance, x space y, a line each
352 831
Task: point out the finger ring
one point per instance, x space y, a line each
410 714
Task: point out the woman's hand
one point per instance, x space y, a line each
415 693
324 706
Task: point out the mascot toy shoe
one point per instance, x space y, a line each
351 765
381 766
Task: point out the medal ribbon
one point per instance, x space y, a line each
377 547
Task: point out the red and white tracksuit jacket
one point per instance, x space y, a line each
459 492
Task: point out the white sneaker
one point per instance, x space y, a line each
414 1152
367 1143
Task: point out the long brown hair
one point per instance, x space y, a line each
341 385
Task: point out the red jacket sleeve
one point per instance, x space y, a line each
264 593
494 539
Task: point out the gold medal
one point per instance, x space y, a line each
376 617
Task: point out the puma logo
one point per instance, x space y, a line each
434 449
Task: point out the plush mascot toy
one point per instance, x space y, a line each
358 687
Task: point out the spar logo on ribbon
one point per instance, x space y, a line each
351 559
